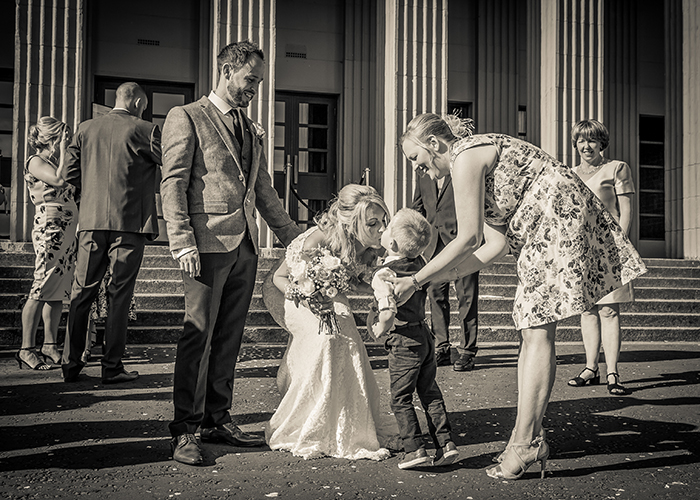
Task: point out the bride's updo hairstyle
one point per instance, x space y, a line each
345 220
46 132
445 127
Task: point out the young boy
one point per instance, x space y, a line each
411 344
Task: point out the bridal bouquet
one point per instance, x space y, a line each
318 275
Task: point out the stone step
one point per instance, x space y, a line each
261 317
172 283
667 306
275 334
163 301
153 267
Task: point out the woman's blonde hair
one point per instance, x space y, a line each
344 222
46 132
445 127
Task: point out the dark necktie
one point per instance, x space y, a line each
237 126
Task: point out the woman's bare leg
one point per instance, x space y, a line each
590 332
610 333
536 371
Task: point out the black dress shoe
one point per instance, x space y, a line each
124 376
69 376
186 450
230 434
442 358
72 378
465 363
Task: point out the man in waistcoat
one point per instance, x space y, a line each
214 178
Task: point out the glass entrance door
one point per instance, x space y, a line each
305 159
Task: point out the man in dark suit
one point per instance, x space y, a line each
437 204
214 178
113 161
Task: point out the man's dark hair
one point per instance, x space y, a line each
237 54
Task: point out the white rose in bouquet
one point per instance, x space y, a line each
330 261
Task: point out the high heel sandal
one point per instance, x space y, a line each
524 455
48 356
86 355
615 388
499 458
39 365
579 381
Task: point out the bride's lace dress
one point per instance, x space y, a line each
330 398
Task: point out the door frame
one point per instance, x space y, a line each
309 185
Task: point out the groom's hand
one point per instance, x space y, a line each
190 263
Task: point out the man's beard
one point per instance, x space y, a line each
239 99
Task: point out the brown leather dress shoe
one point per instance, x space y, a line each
465 363
186 450
230 434
442 358
124 376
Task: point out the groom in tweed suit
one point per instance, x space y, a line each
214 178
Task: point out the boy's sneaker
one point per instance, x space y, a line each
446 455
414 459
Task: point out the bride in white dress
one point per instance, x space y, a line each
330 398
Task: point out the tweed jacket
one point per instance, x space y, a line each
208 202
438 208
113 160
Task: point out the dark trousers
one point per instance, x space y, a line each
412 369
467 289
123 253
216 306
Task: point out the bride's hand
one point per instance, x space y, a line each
319 304
403 289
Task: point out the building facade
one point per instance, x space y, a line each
344 77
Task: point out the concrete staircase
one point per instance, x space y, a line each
667 305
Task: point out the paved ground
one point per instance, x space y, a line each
62 440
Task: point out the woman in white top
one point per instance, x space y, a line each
611 181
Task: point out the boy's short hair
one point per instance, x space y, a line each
411 231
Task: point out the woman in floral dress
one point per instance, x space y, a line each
570 252
53 237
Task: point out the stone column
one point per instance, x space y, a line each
691 129
534 70
361 126
415 81
49 49
572 71
237 20
497 101
673 161
620 110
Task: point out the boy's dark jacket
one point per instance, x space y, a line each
416 331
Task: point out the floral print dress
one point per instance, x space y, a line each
569 249
53 237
